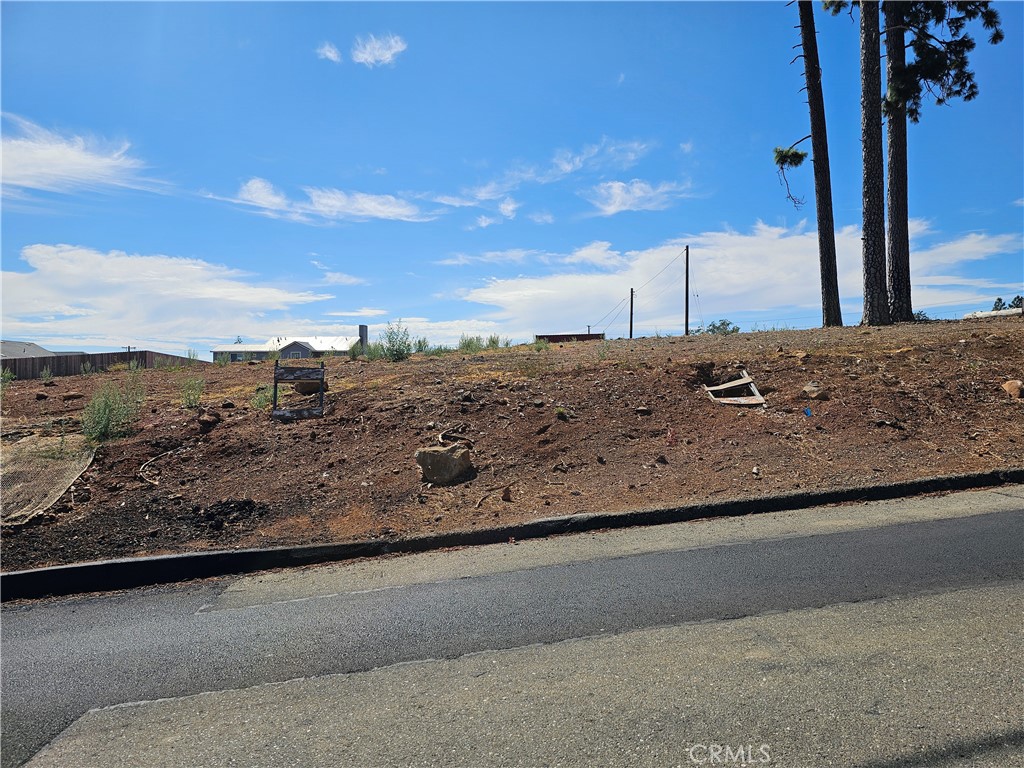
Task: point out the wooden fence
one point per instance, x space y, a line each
72 365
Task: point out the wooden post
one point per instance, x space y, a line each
631 292
277 364
686 327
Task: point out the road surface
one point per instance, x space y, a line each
874 630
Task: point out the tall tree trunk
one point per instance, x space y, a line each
876 307
831 313
900 307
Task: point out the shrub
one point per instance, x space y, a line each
721 327
374 351
46 374
493 341
192 391
86 368
470 344
541 344
437 351
395 343
6 377
262 398
113 410
422 344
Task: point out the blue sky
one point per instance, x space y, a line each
176 175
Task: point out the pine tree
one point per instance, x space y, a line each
876 306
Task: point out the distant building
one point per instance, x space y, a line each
289 348
13 350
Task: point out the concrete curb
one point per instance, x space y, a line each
128 573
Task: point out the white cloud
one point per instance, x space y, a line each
1019 201
769 270
37 159
613 197
508 208
455 202
261 192
327 50
336 204
542 217
482 222
361 312
511 256
598 253
326 204
340 278
80 297
686 147
374 51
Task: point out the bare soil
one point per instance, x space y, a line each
580 427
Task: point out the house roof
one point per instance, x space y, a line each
15 349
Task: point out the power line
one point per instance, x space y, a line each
662 269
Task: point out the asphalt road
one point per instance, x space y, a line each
61 658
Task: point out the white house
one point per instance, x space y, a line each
289 347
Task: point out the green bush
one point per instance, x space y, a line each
541 344
113 411
470 344
422 344
46 374
437 351
192 391
721 328
6 377
395 343
493 341
263 397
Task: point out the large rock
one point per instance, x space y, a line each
1013 388
309 387
814 391
444 464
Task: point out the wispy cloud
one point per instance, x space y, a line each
508 208
374 51
186 300
511 256
598 253
686 147
37 159
361 312
482 222
613 197
336 278
328 51
607 154
324 204
542 217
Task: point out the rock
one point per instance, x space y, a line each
1014 388
42 396
71 396
227 405
814 391
309 387
643 410
208 420
49 383
444 465
506 495
662 459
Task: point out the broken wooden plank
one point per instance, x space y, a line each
754 398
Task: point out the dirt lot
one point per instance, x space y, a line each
585 427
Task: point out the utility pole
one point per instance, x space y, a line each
631 292
686 327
